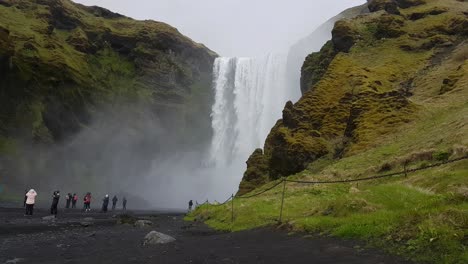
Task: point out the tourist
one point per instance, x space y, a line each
68 200
55 201
30 201
105 203
124 203
87 202
74 200
190 204
114 202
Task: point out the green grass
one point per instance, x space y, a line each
404 216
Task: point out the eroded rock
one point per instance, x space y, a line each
156 238
143 223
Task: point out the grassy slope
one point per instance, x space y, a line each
423 217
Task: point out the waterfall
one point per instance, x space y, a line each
250 94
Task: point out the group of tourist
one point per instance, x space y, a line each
30 200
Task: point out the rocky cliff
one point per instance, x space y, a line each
60 60
381 73
313 42
66 67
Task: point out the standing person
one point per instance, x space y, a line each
55 201
25 197
190 204
87 202
124 203
114 202
105 203
30 201
68 199
74 200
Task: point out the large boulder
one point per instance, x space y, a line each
156 238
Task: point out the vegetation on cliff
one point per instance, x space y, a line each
60 61
388 92
380 72
64 64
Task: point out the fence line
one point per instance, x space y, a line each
284 181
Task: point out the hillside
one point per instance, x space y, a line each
64 66
313 42
389 91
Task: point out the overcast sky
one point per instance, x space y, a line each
235 27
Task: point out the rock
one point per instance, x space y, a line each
88 219
389 6
155 238
143 223
256 173
48 218
343 36
15 260
409 3
86 224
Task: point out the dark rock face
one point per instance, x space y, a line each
409 3
315 66
343 36
388 5
256 173
389 26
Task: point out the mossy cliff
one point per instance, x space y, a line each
60 62
381 74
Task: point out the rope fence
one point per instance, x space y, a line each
284 181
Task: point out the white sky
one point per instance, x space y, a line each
235 27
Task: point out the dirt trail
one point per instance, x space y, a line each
33 240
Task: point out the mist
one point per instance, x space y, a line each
129 150
235 28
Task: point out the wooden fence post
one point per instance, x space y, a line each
232 210
282 201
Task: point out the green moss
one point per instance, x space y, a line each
88 58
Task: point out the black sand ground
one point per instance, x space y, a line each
33 240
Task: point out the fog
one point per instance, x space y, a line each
235 27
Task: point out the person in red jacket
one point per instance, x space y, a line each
87 202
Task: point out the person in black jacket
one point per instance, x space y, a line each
124 203
55 201
114 202
105 203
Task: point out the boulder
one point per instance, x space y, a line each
143 223
155 238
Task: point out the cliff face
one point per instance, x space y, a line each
381 72
60 61
313 42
